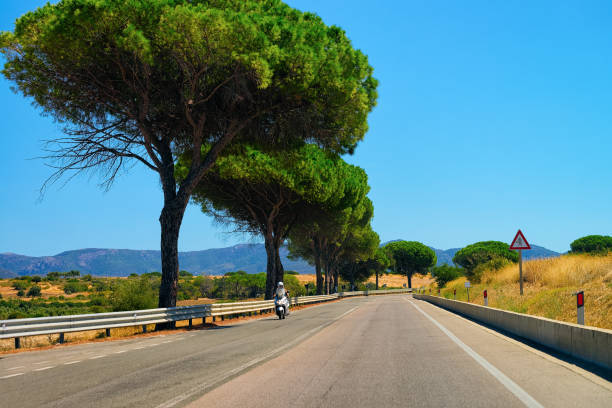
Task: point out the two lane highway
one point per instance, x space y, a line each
377 351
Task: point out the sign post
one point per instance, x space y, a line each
519 243
467 287
486 298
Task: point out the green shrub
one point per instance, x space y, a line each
133 275
20 293
594 244
74 286
20 285
36 279
291 273
133 294
445 273
52 276
34 291
185 274
293 285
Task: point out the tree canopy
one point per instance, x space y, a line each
492 253
410 257
148 81
268 192
596 244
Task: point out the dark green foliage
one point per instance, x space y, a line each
52 276
133 294
477 257
410 257
445 273
74 287
133 275
36 279
291 273
185 274
71 274
20 285
594 244
34 291
20 293
87 277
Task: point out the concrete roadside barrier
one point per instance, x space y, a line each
590 344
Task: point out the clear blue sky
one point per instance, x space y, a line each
492 115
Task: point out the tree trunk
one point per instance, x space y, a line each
409 276
376 280
271 266
336 280
317 258
280 271
170 221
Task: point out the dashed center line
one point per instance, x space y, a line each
72 362
138 348
44 368
10 375
42 362
15 368
95 357
120 351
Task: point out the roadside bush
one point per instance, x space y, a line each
206 285
34 291
20 285
593 244
133 294
293 285
445 273
74 286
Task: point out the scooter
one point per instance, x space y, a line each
281 306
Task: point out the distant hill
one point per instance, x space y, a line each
122 262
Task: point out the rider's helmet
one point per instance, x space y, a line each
280 290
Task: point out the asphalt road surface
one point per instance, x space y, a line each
377 351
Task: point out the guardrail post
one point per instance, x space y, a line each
107 332
214 319
486 298
144 328
455 294
61 338
17 342
190 323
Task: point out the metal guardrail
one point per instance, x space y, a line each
16 328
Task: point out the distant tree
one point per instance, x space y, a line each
379 263
146 81
594 244
445 273
185 274
36 279
34 291
71 274
476 256
132 294
133 275
410 257
20 285
51 276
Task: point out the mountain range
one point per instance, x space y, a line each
122 262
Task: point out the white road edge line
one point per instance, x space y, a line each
15 368
223 377
72 362
44 368
513 387
10 375
95 357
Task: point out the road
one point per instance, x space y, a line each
377 351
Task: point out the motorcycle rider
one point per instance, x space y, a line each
282 296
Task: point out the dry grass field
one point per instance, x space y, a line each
549 287
396 281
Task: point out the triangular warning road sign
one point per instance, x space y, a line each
519 242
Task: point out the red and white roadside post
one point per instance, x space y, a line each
580 306
438 291
519 243
486 298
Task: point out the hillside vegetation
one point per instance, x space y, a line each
549 285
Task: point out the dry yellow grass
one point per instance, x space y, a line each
389 280
549 287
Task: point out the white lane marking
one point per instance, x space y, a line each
513 387
223 377
95 357
15 368
42 362
138 348
72 362
44 368
167 341
10 375
120 351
